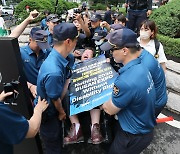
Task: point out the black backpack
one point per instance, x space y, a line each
157 44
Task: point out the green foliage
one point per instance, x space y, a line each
98 6
167 19
41 5
171 45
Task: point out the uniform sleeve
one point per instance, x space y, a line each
162 57
54 85
13 126
71 60
122 94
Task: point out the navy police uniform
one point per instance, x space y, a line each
32 63
136 100
13 128
134 94
158 77
51 80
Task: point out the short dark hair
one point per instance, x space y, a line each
121 18
151 25
91 48
134 49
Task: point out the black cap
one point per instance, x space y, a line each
64 31
52 18
96 17
120 38
40 36
99 34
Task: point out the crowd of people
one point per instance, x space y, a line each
129 45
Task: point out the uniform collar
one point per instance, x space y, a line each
60 58
129 65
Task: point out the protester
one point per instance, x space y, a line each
20 28
75 135
15 127
138 11
52 84
148 41
135 123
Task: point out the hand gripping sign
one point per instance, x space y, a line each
91 84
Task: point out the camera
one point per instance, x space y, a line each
78 11
11 87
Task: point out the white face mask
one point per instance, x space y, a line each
144 35
98 43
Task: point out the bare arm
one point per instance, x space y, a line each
35 121
84 25
110 108
163 66
32 89
20 28
59 108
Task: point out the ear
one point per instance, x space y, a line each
68 41
125 50
152 34
30 39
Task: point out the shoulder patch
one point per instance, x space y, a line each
115 90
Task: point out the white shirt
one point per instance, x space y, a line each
1 22
150 47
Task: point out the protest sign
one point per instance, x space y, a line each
91 84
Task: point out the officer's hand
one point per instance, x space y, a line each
62 115
33 90
41 105
3 95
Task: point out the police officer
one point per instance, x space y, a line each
52 84
43 21
14 127
138 11
133 95
51 21
33 55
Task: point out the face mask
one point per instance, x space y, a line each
144 35
98 43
